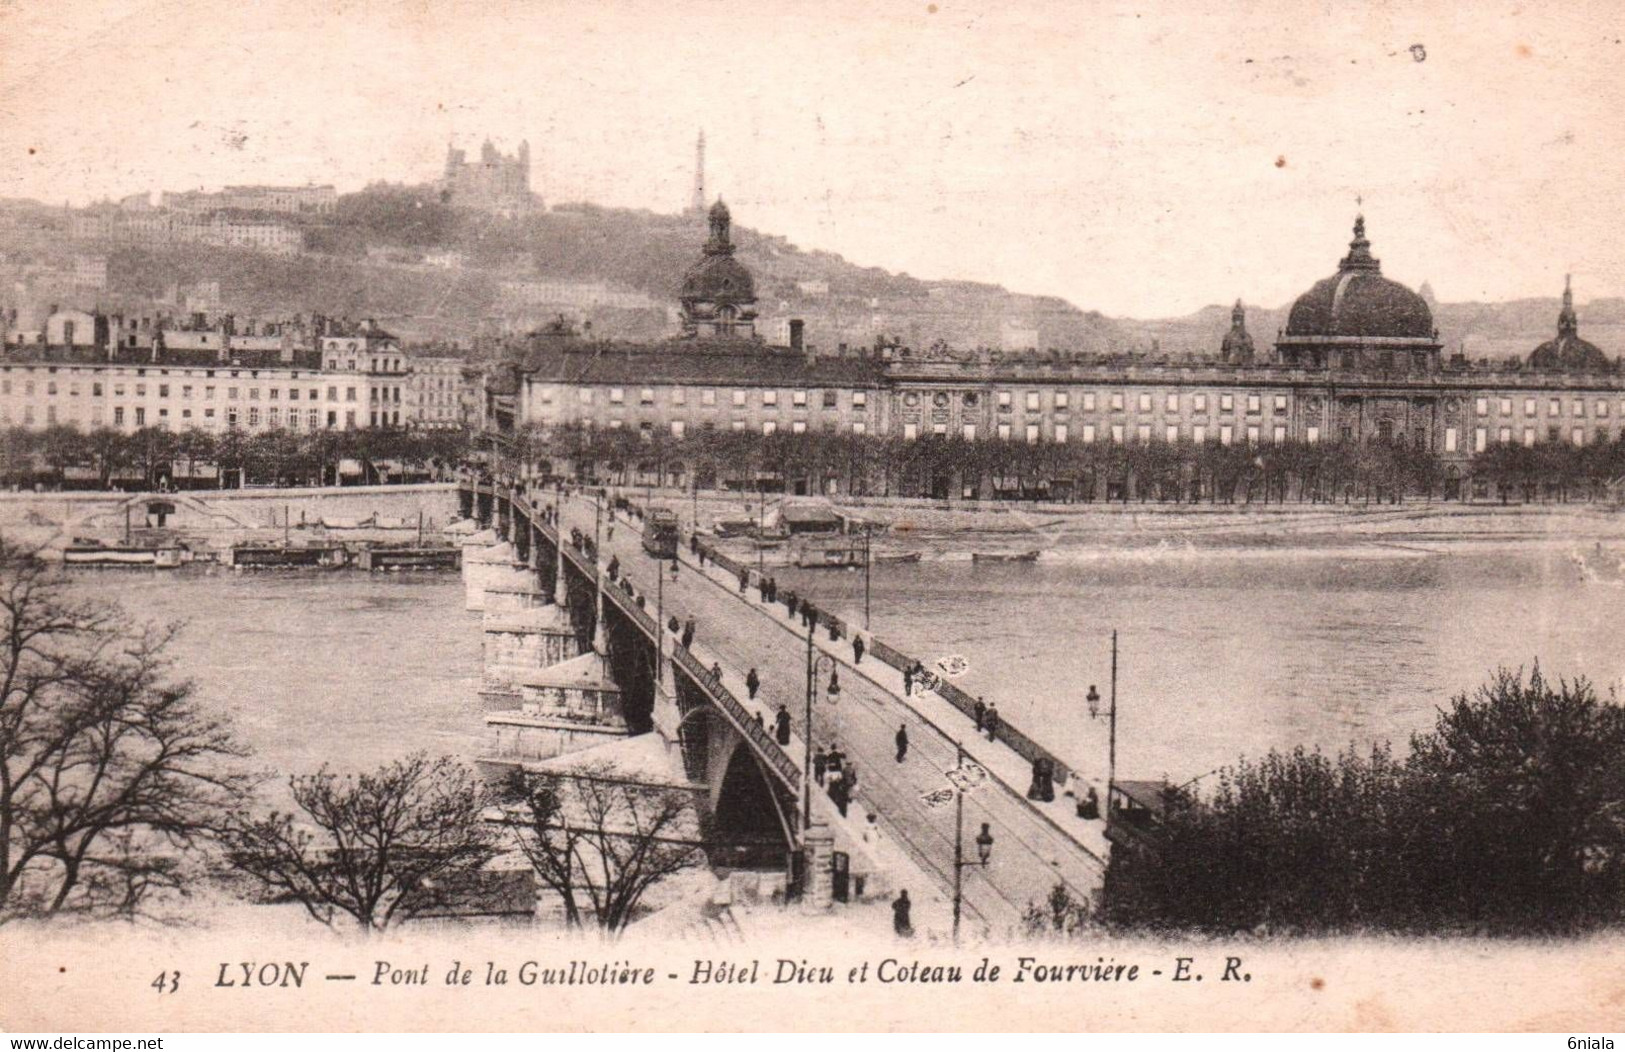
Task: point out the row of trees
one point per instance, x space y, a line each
68 457
1508 817
118 791
951 466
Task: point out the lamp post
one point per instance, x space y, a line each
761 519
833 693
1111 714
868 558
984 843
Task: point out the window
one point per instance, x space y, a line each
1004 401
1225 434
274 417
1252 403
1552 434
1503 435
1252 434
1171 434
1032 401
829 400
349 418
118 389
1578 435
798 427
254 394
274 393
1528 407
95 389
1062 400
739 397
1199 403
770 398
1602 408
859 427
969 432
1199 434
1117 401
1278 434
860 399
912 431
617 396
1506 407
254 417
679 396
646 396
332 418
769 426
349 396
1060 432
1579 407
1089 401
1482 407
1117 433
1088 433
140 416
708 396
186 391
1145 402
1280 403
1449 440
1032 433
798 398
208 414
140 390
1528 436
939 429
1480 439
737 425
677 428
1004 431
1227 403
1555 408
50 414
1170 403
50 388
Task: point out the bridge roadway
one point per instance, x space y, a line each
1030 854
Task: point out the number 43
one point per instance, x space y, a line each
167 982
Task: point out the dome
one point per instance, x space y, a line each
719 279
1568 352
1358 302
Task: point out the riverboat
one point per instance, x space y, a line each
94 554
1004 557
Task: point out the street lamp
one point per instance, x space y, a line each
832 692
1111 714
984 843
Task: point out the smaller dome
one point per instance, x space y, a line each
719 279
1568 352
1238 342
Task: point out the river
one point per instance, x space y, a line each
1224 654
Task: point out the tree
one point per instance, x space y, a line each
379 848
109 773
600 841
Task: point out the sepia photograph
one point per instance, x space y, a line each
954 516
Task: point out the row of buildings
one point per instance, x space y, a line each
226 228
91 370
1359 360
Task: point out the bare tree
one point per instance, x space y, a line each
600 840
380 848
109 774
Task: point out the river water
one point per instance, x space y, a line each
1225 654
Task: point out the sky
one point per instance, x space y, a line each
1137 160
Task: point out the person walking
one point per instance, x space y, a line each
902 742
836 758
979 711
688 633
993 722
820 764
901 924
908 683
716 670
839 794
857 649
753 683
744 581
781 724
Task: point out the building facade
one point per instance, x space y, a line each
1358 362
494 183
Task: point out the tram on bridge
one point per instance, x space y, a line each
660 533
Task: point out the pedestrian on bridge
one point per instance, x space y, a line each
900 922
688 633
979 711
902 742
837 759
820 764
993 722
781 724
908 685
716 671
744 581
753 683
839 794
857 649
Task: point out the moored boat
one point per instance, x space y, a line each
1004 557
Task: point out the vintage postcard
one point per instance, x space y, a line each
907 516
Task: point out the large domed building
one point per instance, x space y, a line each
1358 319
718 293
1568 353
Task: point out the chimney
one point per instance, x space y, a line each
796 325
